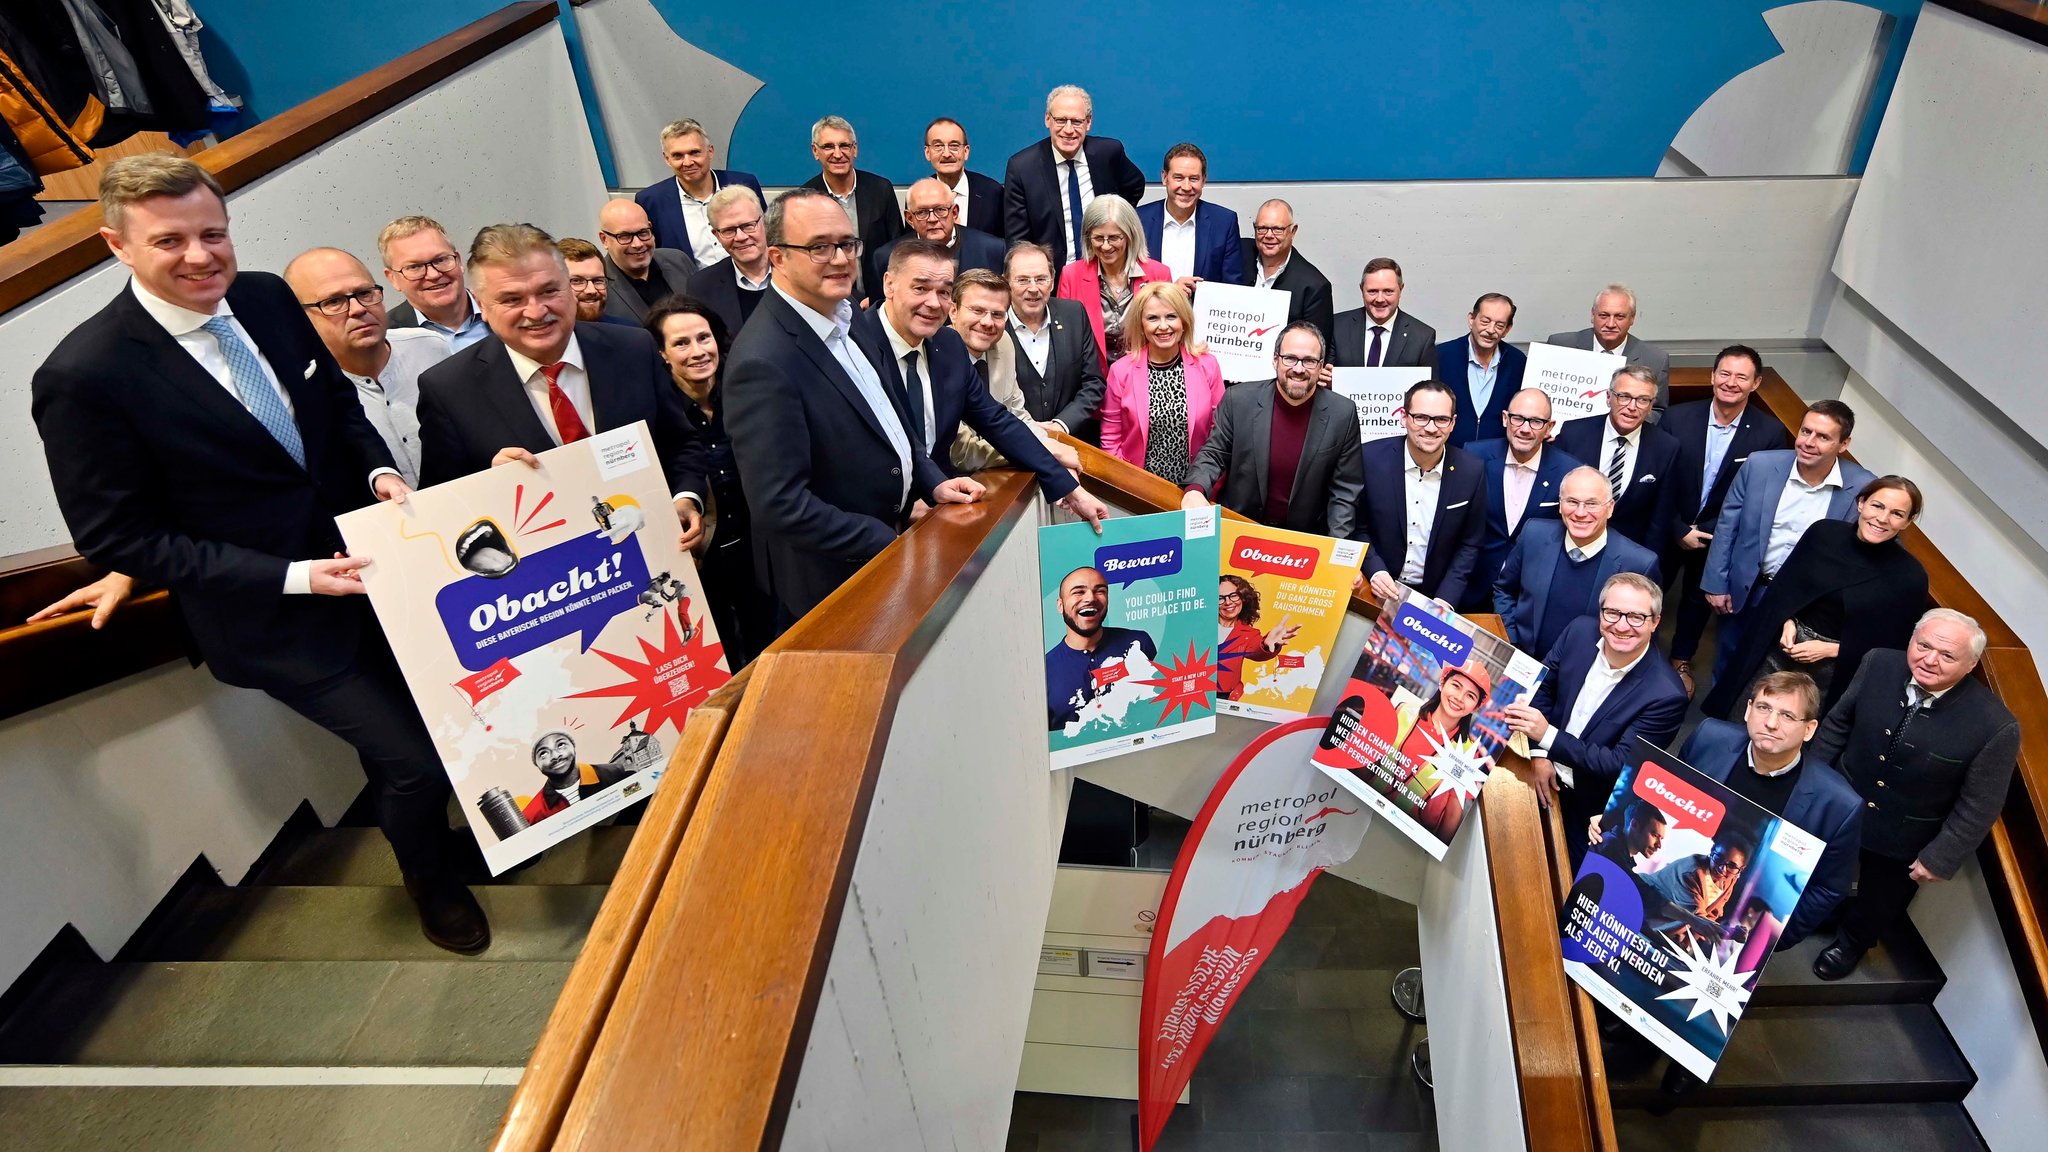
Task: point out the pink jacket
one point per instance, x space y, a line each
1127 404
1081 281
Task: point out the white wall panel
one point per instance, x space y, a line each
646 77
1471 1042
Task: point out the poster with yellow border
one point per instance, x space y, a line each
553 634
1281 599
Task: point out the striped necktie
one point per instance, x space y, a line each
262 400
1614 465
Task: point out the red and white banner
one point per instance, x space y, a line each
1271 824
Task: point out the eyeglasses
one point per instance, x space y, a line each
943 147
1231 596
1629 401
640 237
1272 229
1432 421
1584 505
1305 362
338 305
1765 711
1030 281
733 231
579 283
1633 619
821 253
417 271
1068 121
1517 420
1725 867
931 213
835 147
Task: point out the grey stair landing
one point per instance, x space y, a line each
1825 1054
359 856
366 922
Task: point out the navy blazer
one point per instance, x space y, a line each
1644 510
1735 557
984 204
1694 503
1521 595
880 214
664 206
1451 359
1460 527
958 396
1031 190
1219 251
1543 505
1822 803
1649 702
972 250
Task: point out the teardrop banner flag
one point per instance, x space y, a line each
1269 827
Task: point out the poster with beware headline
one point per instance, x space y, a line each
553 635
1679 904
1242 326
1130 633
1575 379
1380 394
1423 717
1279 603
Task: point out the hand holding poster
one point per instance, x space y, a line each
1575 379
1680 903
1131 652
1242 326
1421 720
1279 604
1379 394
550 630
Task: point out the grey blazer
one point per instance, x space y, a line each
1410 342
1637 352
1326 482
622 300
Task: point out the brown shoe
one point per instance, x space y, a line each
449 916
1684 670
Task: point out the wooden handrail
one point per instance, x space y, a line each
48 660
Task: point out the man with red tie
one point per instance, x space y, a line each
543 380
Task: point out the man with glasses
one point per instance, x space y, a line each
587 280
1058 367
680 209
868 200
1048 185
1270 261
1423 515
929 210
978 198
1639 460
1556 570
1484 367
824 447
1606 686
347 310
734 286
1614 313
1523 472
425 268
639 275
1285 454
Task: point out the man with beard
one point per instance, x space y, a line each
587 280
1075 671
1695 895
567 780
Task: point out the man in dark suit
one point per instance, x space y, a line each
1048 185
822 443
868 200
547 381
1273 262
638 275
1523 473
200 437
979 198
1380 335
1715 437
1639 460
1285 455
1931 750
1058 369
1555 571
1614 313
1606 686
1197 240
1483 368
1423 516
929 210
427 270
734 286
680 209
916 353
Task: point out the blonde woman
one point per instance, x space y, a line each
1161 397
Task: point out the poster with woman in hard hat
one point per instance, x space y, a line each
1420 722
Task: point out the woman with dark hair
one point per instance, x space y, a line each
1443 720
1847 587
1237 636
693 342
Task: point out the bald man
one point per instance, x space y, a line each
636 273
346 306
933 213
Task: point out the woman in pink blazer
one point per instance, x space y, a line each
1162 396
1103 282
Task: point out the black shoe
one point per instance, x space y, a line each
1838 960
449 916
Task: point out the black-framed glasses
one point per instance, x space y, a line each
1433 421
338 305
579 283
1627 401
1230 596
445 263
1069 121
733 231
821 252
1272 229
1302 362
1517 420
931 213
641 236
1632 619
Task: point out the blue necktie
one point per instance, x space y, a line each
1074 207
257 395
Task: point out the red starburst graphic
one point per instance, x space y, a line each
670 680
1188 684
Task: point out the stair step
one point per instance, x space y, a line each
359 856
1943 1127
350 1013
1833 1054
352 1118
528 922
1900 971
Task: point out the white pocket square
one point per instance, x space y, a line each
1646 479
1547 504
1458 505
1739 459
311 367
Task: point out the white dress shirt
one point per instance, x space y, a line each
959 197
1177 243
1037 344
574 381
922 378
1422 489
1601 679
703 245
833 330
1632 446
1799 506
1075 244
391 398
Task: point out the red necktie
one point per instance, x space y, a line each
567 422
